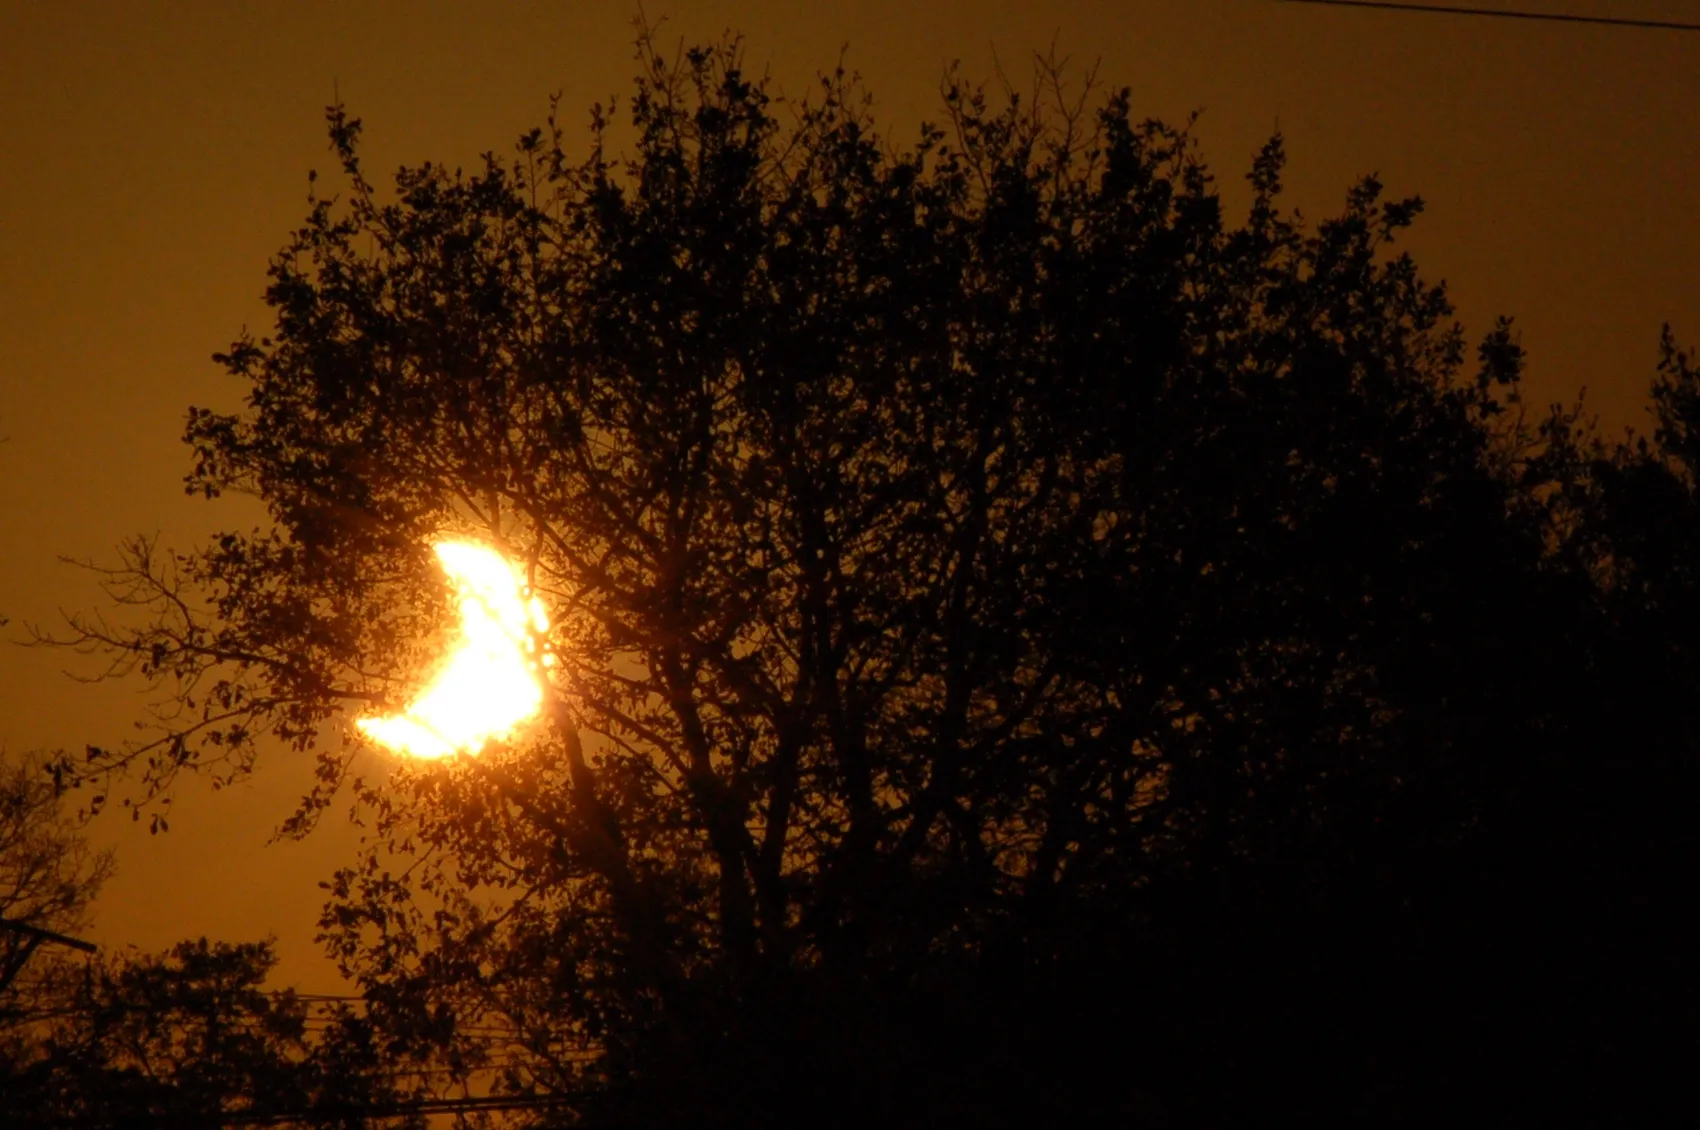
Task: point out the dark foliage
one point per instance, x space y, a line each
1033 652
185 1039
49 876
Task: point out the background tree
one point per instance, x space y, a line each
190 1038
49 878
1029 648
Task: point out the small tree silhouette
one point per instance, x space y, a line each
49 877
190 1038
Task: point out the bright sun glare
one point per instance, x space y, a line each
491 681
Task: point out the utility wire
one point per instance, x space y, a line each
1548 17
467 1104
40 935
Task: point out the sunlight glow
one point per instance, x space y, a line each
491 680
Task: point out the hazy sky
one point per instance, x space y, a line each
153 155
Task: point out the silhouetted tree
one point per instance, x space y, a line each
190 1038
1031 650
49 877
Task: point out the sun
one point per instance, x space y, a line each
491 681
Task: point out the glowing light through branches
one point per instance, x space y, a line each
491 681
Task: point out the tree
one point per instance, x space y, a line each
49 877
173 1040
190 1038
998 601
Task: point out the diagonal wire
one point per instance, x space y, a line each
1548 17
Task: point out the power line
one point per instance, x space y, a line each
467 1104
1547 17
40 935
17 956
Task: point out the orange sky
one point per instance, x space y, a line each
152 156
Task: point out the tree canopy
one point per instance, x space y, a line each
49 877
1031 647
191 1038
